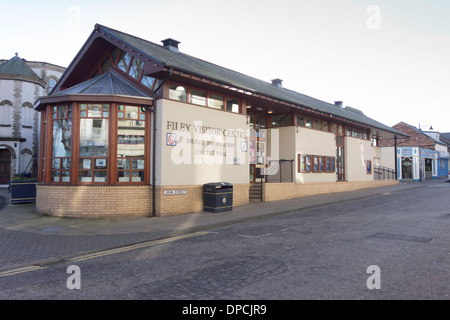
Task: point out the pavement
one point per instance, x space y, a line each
28 238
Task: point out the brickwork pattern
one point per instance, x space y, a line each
124 201
413 139
284 191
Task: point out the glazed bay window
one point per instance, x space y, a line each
130 144
62 143
93 156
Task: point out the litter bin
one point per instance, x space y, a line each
217 197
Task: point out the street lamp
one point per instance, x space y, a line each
420 151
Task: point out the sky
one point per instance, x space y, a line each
388 58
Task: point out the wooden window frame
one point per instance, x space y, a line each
55 116
208 93
146 149
94 159
306 157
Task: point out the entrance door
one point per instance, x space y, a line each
5 166
407 164
428 168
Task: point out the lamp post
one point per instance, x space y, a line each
420 152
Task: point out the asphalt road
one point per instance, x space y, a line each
323 253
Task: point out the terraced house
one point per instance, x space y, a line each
135 128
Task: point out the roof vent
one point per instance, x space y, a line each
277 82
338 103
171 44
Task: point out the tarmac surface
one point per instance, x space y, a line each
28 238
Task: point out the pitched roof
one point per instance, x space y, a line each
186 63
109 83
423 132
17 67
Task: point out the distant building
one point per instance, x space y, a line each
424 155
21 83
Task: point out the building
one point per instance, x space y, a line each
424 155
134 128
21 83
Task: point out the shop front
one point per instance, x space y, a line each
417 166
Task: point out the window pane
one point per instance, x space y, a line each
324 125
85 176
233 105
309 123
136 68
215 101
62 138
148 81
137 176
124 61
131 138
318 124
123 176
131 112
198 97
177 92
100 176
93 137
308 163
94 110
281 120
300 121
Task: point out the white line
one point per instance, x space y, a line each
133 247
20 270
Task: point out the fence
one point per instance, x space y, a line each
383 173
280 171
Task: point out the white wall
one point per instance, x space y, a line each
195 160
357 152
318 143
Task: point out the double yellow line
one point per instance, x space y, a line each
103 253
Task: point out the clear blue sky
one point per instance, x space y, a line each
389 58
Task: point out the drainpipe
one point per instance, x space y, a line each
154 143
395 157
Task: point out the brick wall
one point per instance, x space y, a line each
124 201
413 140
284 191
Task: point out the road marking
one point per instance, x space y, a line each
134 247
259 236
20 270
103 253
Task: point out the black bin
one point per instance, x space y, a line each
217 197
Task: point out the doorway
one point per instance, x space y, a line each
407 165
5 166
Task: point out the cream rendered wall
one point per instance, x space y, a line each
357 152
387 157
318 143
193 160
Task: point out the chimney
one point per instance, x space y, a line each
171 44
277 82
338 103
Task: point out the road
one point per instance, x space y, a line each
321 253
